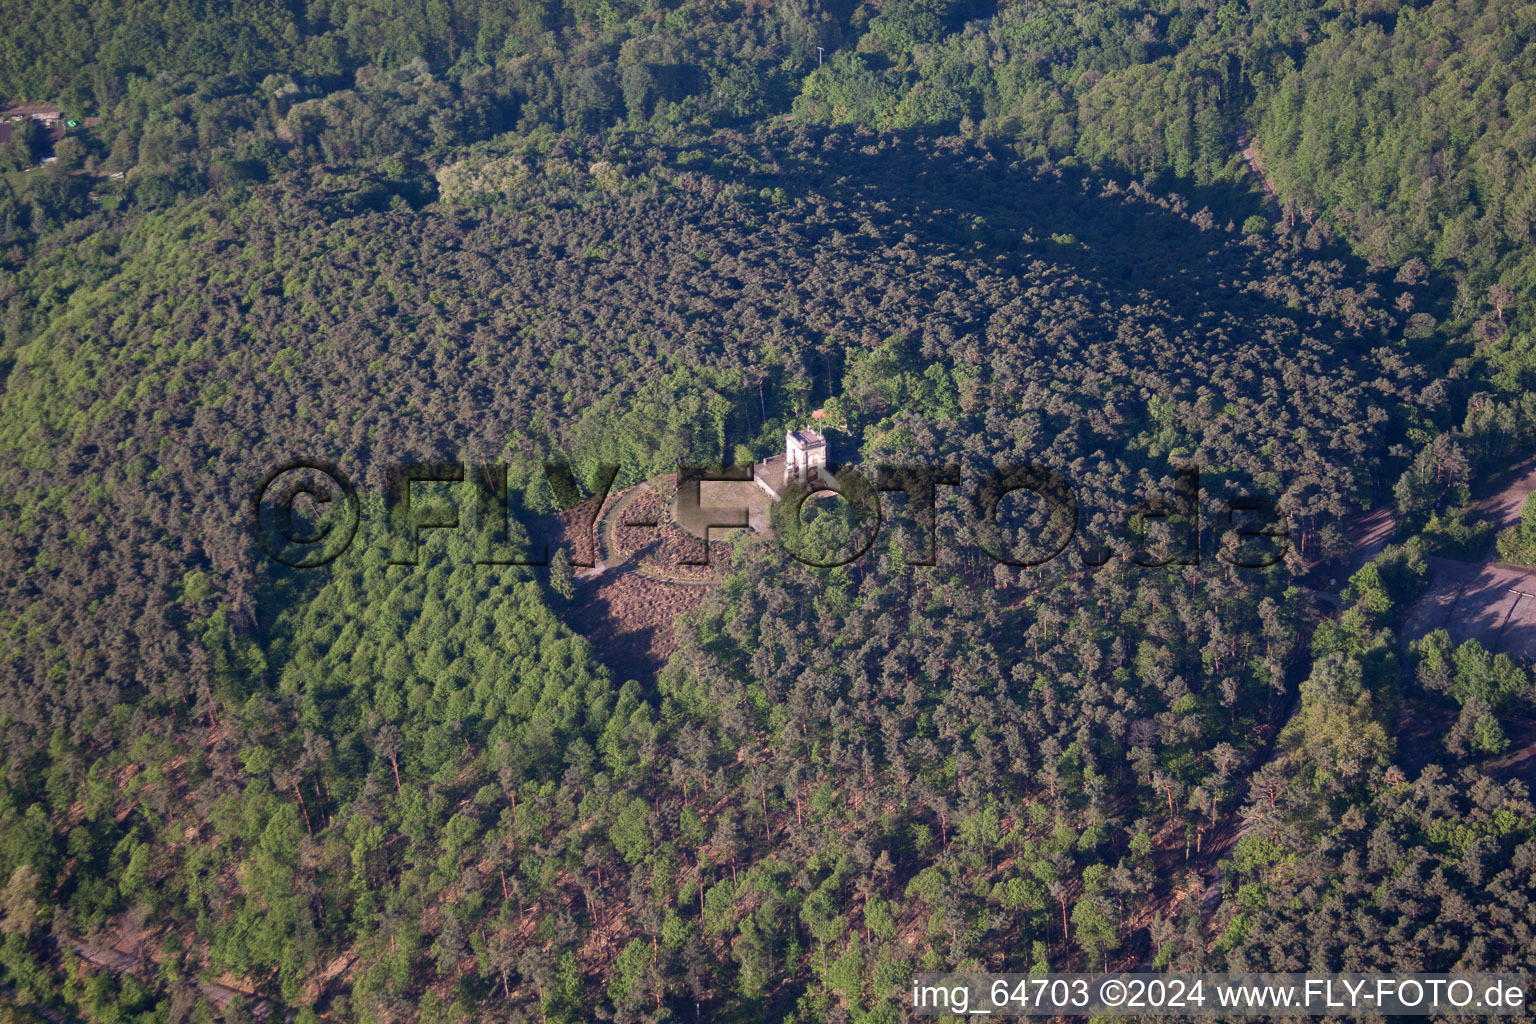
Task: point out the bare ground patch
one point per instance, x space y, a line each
642 581
1491 603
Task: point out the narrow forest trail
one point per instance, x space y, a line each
1255 162
1502 507
606 539
1368 534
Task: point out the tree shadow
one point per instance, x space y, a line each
979 199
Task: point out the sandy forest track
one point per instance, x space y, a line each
1255 162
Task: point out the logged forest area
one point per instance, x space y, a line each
1251 285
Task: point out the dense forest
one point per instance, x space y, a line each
618 237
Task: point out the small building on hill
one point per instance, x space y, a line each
49 121
43 113
804 463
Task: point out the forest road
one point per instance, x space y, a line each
1502 507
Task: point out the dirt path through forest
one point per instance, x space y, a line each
1255 164
1502 507
1368 533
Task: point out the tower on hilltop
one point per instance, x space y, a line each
804 462
805 453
